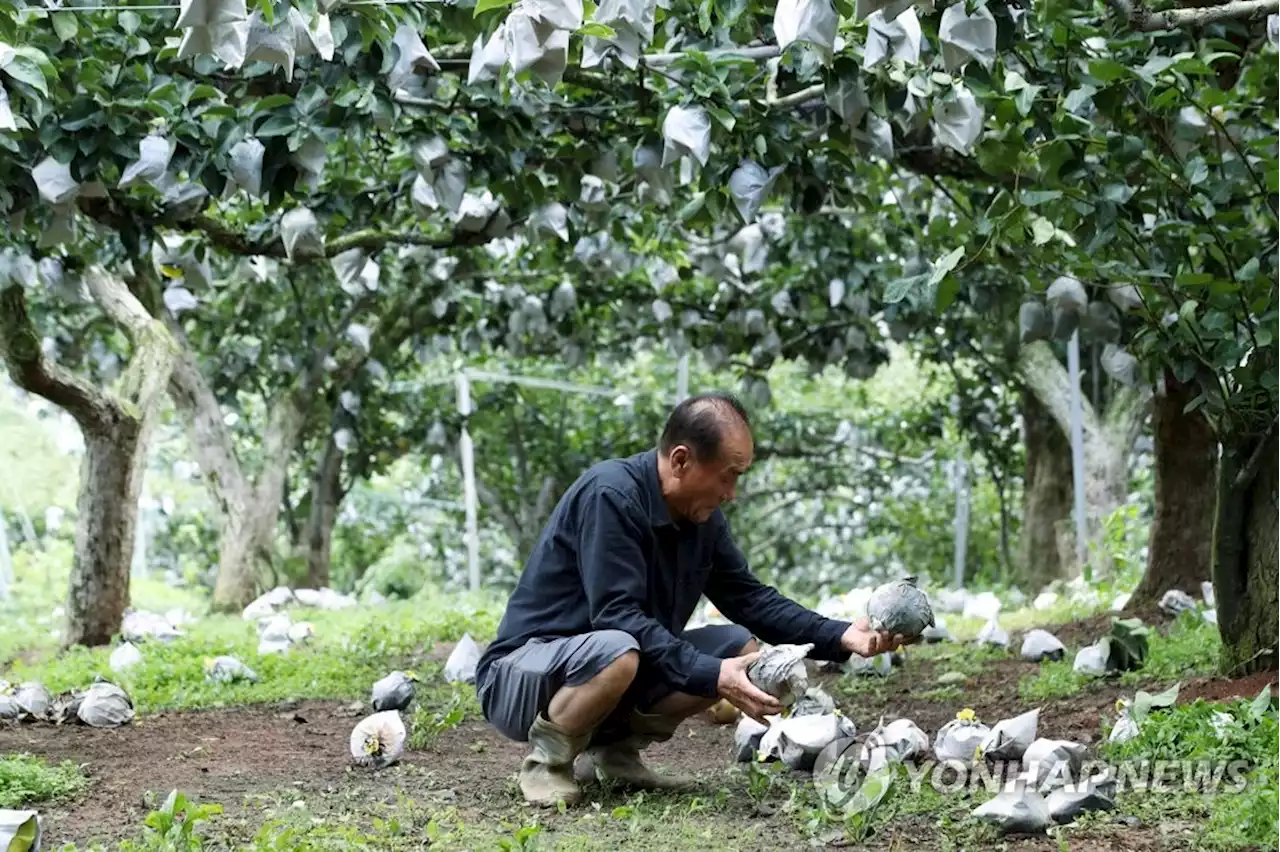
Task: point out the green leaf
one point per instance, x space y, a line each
899 289
204 92
1259 707
1120 193
1106 70
1041 230
945 264
597 30
1193 279
65 25
483 6
25 70
1145 702
271 102
872 791
277 125
1035 197
129 21
1249 271
691 208
722 115
1013 82
946 294
1026 99
1197 171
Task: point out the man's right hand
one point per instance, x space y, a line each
735 687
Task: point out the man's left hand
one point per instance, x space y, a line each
860 639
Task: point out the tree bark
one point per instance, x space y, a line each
1180 547
326 494
1245 575
1108 438
1046 496
116 427
107 508
247 544
250 509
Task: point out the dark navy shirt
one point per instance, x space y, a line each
612 558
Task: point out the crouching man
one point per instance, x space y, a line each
591 663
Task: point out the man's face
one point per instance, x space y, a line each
701 486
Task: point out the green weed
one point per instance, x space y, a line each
172 826
1189 648
440 710
26 780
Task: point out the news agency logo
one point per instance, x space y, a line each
843 768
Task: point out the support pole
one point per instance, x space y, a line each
6 561
962 518
467 450
1077 453
682 378
138 567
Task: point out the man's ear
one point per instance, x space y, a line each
681 460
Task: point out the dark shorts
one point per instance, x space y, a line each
519 686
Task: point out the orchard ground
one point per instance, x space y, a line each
274 755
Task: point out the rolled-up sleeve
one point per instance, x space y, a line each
615 576
766 612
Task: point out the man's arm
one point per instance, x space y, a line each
765 611
615 575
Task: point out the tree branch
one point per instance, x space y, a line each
1145 20
1048 380
20 346
154 350
1251 467
117 212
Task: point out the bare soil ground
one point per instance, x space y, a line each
300 750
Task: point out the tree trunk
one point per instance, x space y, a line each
1245 575
250 510
116 427
1180 546
248 538
326 494
110 480
1046 496
1108 439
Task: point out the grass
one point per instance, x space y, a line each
1229 819
1189 648
26 780
968 659
351 649
28 628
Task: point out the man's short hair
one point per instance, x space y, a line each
700 423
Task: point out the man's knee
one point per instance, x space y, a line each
623 652
741 639
622 671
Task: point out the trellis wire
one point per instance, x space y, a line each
147 7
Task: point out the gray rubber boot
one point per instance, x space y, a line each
620 761
546 776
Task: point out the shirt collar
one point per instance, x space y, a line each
659 515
